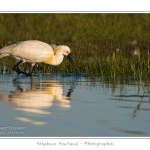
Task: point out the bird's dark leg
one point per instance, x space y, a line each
30 71
16 68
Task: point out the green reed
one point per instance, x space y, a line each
101 44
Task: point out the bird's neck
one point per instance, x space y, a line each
54 59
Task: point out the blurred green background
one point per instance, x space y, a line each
101 44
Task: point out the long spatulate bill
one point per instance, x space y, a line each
72 61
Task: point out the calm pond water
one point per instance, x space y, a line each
70 106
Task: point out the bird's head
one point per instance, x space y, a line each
62 50
65 51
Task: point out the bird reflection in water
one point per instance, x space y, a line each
38 99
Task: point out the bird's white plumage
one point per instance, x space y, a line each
34 51
29 51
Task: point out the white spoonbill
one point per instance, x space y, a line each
33 51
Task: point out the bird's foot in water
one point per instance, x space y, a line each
27 74
19 72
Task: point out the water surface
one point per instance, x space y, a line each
70 106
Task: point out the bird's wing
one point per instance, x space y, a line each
34 51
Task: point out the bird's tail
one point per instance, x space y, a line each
3 55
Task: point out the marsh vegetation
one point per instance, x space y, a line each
101 44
